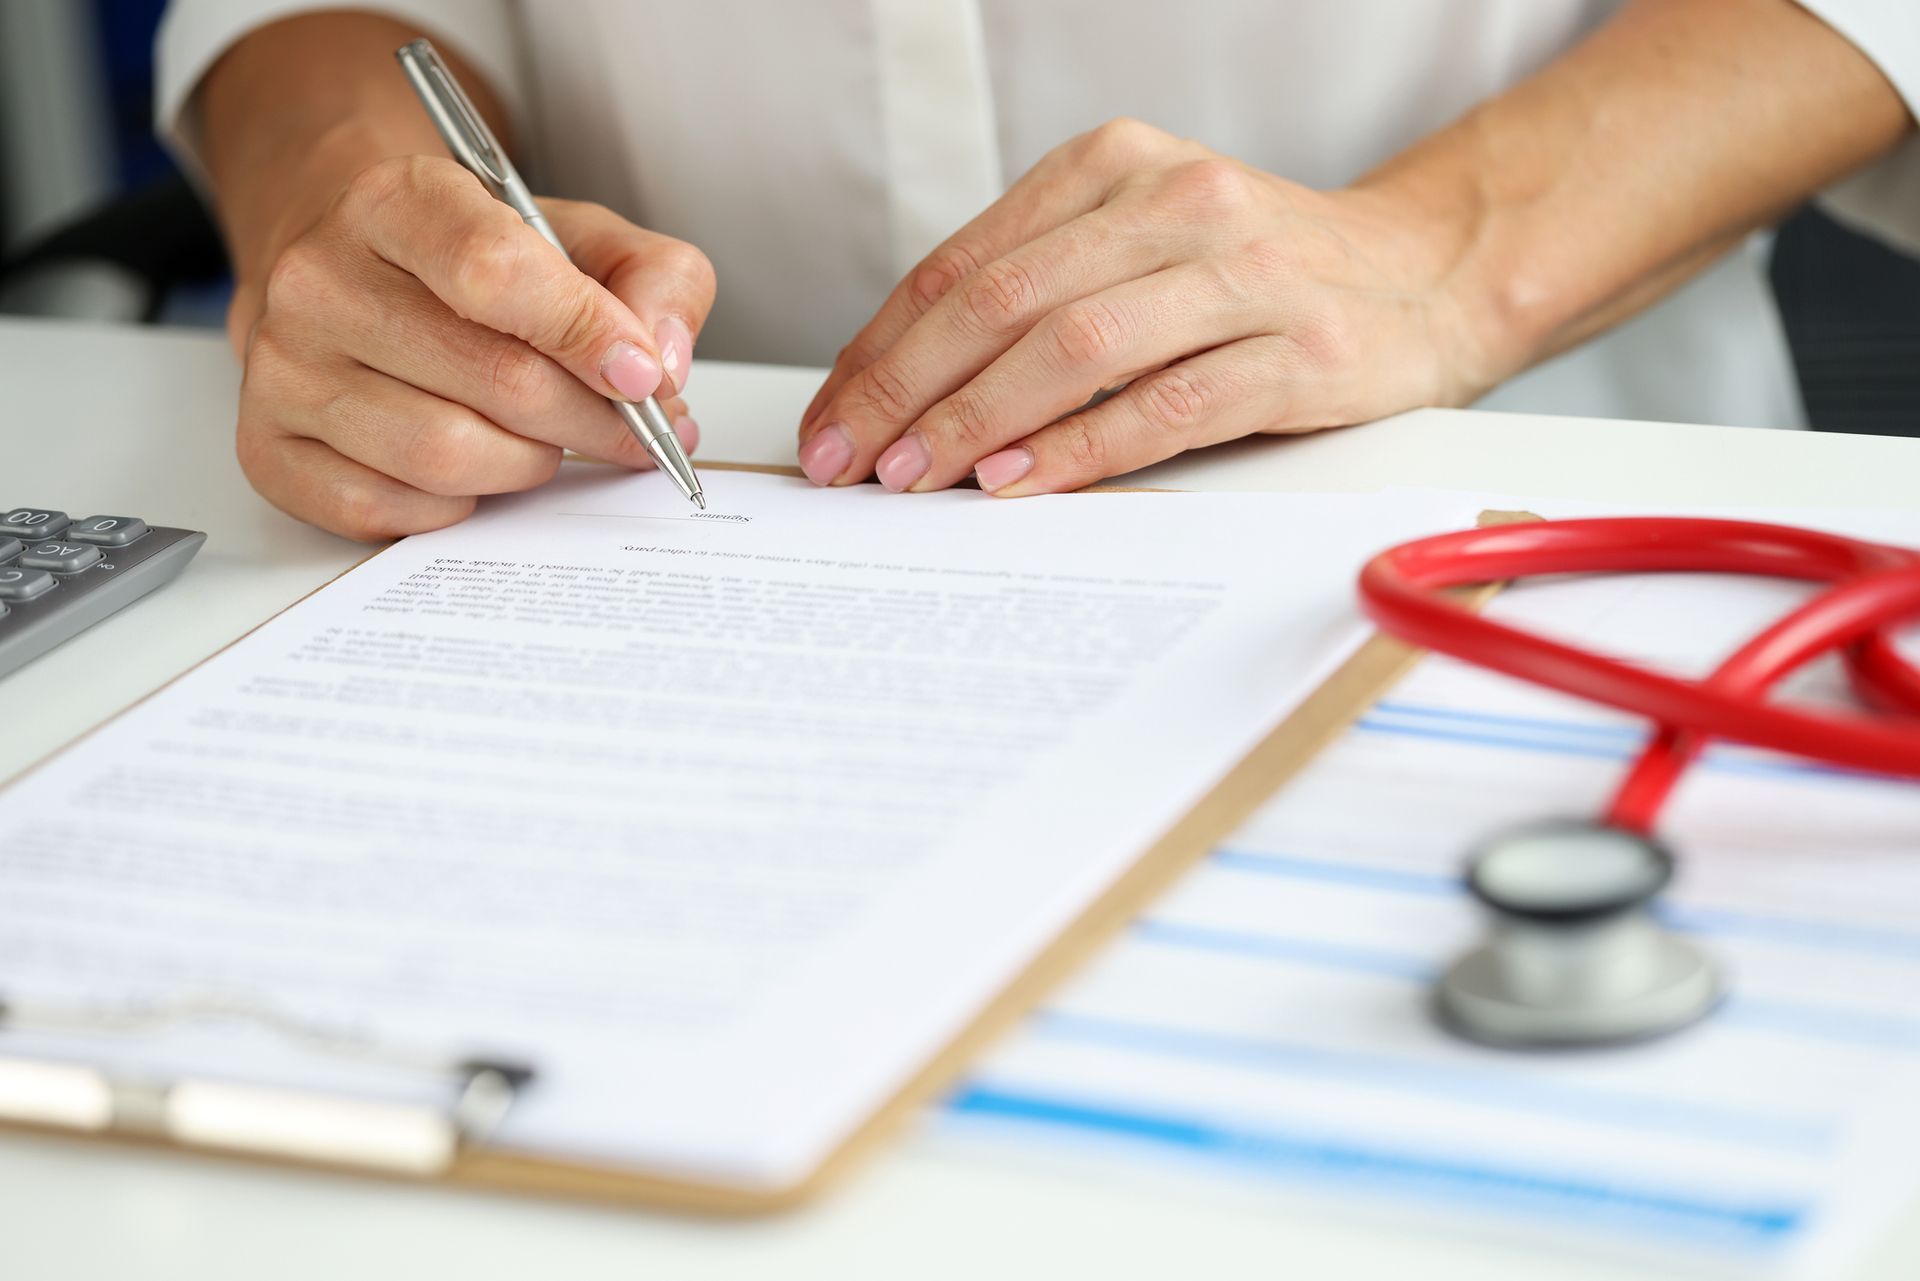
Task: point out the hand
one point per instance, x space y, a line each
1227 301
421 345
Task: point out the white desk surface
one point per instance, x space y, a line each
122 420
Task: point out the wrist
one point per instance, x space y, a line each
289 115
272 207
1434 228
1475 238
266 211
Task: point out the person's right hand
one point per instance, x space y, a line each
420 345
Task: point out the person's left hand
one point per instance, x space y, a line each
1228 301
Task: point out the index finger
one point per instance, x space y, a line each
433 220
1054 191
963 334
667 283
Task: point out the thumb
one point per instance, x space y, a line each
668 284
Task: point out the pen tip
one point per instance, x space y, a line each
700 500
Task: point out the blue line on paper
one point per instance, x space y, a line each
1383 962
1625 733
1811 1022
1673 1212
1866 1028
1712 922
1838 936
1592 751
1602 742
1477 1083
1292 867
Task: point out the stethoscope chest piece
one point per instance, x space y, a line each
1575 956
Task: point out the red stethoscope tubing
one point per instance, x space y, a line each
1872 588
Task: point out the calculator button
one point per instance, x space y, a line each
24 584
61 558
31 522
107 531
9 548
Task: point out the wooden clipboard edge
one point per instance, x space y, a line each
1288 748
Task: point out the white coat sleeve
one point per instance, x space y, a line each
1883 199
194 33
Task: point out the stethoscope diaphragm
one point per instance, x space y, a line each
1575 956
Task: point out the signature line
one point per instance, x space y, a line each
626 516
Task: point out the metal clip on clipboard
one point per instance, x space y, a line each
264 1120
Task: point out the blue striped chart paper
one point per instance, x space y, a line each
1270 1019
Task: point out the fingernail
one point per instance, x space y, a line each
1001 469
675 342
905 462
630 371
688 431
825 456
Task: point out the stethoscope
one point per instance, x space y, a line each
1575 954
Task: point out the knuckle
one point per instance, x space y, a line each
363 510
571 327
275 379
266 358
379 182
1084 446
1086 333
434 456
364 514
300 275
329 402
1177 399
1266 261
1122 138
1325 343
968 421
944 268
486 258
544 465
1212 183
580 326
882 392
859 354
518 376
1000 298
693 268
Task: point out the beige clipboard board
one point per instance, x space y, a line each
1340 699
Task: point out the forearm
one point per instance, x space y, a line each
1594 188
292 112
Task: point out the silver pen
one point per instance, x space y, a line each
474 146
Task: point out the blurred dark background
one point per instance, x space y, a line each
95 221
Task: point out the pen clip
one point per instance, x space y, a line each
460 125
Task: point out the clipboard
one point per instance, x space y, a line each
449 1143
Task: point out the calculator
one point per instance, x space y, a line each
59 577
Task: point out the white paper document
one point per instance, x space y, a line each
724 821
1271 1018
